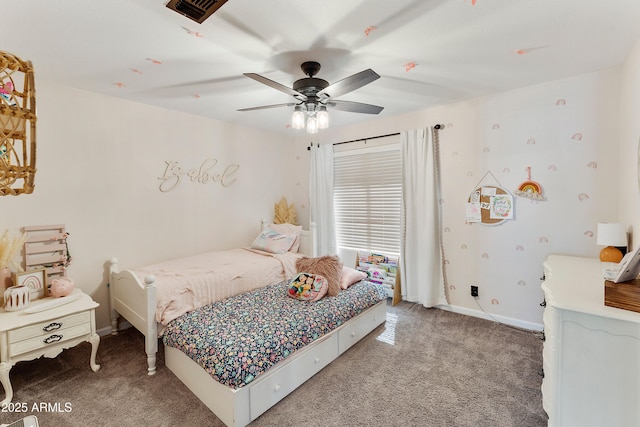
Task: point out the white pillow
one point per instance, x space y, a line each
289 229
271 241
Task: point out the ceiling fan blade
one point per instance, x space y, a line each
349 84
276 85
264 107
355 107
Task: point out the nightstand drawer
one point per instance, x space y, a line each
49 327
41 342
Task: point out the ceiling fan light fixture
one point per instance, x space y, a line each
313 95
312 124
323 117
297 119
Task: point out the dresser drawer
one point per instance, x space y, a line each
551 324
49 327
43 341
549 367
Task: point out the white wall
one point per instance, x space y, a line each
99 160
568 132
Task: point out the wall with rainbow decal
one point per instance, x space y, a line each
567 132
563 132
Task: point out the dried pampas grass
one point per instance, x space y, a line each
285 213
9 247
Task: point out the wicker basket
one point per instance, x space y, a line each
17 126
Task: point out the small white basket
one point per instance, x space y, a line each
17 298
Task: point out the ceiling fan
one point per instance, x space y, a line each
313 96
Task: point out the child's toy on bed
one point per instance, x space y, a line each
308 287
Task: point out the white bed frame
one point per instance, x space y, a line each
238 407
135 301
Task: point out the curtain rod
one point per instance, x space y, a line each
436 126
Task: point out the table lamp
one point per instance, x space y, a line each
611 235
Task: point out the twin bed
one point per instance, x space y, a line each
231 333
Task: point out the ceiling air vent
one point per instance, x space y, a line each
197 10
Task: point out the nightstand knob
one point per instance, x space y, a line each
52 338
52 327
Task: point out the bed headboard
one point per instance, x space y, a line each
307 239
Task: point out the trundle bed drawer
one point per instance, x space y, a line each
291 375
361 326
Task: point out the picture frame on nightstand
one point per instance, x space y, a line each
36 280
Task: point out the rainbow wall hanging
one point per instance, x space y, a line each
530 189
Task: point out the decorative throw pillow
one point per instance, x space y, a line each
273 242
308 287
330 267
351 276
289 229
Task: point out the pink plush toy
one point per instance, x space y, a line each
61 287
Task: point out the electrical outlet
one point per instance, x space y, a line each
474 291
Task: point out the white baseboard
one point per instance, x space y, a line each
122 325
495 317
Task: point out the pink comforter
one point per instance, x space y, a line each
188 283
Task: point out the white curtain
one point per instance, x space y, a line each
421 259
321 199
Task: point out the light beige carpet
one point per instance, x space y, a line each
425 367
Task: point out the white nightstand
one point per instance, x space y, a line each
46 333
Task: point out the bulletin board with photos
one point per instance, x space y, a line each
489 205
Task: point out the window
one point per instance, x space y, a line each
368 195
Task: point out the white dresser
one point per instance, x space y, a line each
27 336
591 352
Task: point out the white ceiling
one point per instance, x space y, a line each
427 52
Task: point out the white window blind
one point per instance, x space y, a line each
367 197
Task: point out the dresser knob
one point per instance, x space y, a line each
277 387
52 327
52 338
317 360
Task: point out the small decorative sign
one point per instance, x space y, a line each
501 206
207 172
35 280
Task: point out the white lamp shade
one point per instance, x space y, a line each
612 234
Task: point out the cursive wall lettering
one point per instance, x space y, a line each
206 173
